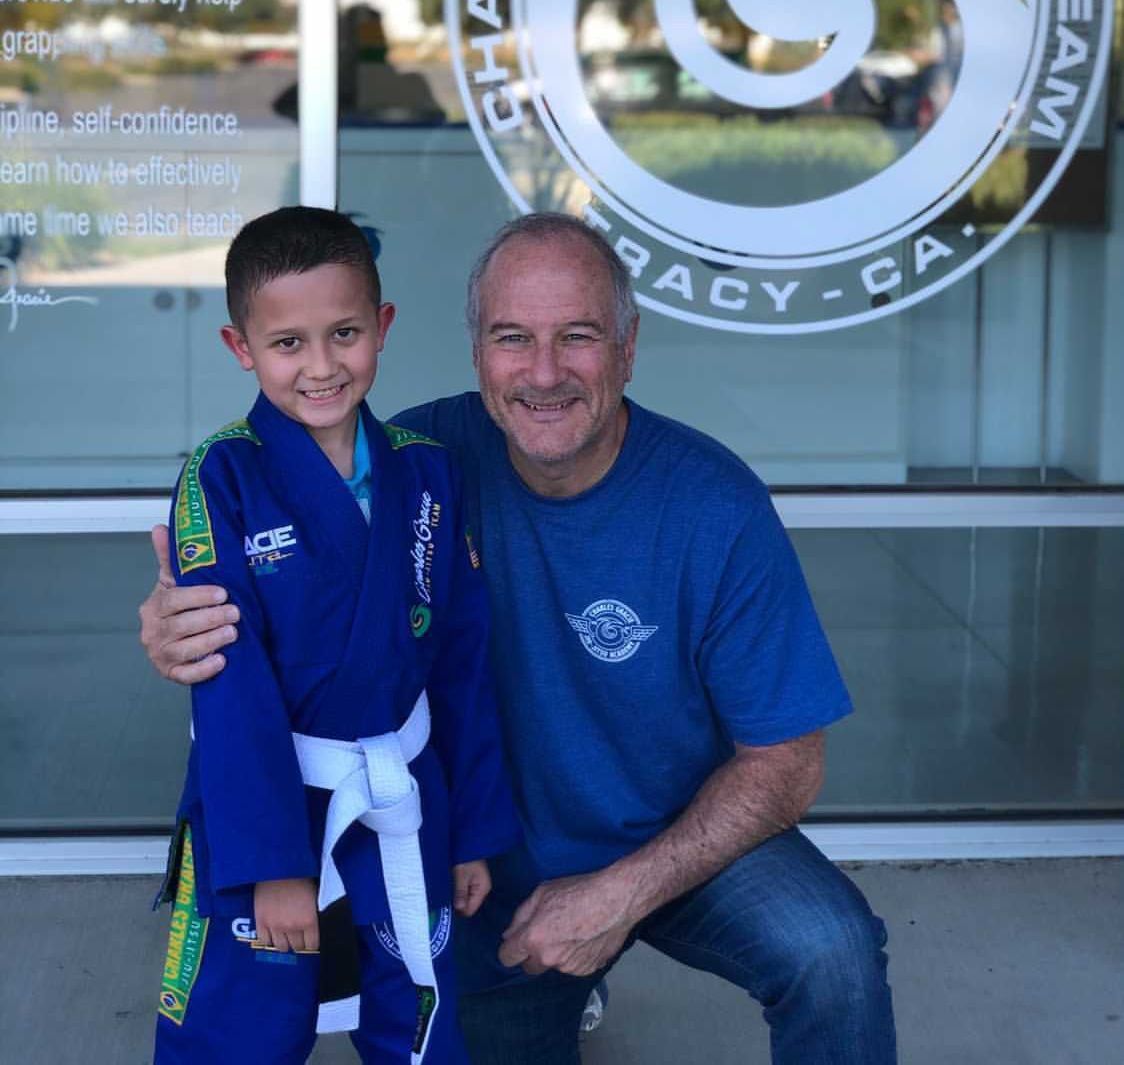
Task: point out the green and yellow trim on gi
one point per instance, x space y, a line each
195 540
185 941
400 437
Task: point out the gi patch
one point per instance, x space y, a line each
264 550
186 940
276 957
195 539
400 437
421 617
421 561
427 1003
440 927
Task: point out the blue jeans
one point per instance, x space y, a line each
781 922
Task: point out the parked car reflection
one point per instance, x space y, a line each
888 86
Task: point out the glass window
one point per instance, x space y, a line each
134 141
984 663
999 379
93 739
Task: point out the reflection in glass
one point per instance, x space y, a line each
984 665
134 142
676 127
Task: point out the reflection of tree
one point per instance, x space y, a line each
57 251
902 22
76 73
541 177
248 15
433 12
897 19
43 16
997 195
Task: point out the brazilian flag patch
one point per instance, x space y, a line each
195 541
185 941
427 1003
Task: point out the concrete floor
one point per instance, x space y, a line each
991 962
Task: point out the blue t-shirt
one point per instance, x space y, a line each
638 630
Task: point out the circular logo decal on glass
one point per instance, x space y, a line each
835 184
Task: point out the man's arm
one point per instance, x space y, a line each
578 924
182 628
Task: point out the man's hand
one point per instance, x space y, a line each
183 628
471 884
577 924
285 915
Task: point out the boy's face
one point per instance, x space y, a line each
313 339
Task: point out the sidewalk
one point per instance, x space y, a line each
991 962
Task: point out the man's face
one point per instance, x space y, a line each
313 339
551 372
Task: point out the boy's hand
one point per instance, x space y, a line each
471 884
285 914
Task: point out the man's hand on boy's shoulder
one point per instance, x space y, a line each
182 628
471 884
285 914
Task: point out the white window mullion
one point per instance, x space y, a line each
798 510
317 96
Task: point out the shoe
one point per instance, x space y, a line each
595 1006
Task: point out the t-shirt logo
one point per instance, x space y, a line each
609 630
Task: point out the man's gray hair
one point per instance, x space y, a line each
545 225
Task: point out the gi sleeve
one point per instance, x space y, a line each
466 729
254 807
764 658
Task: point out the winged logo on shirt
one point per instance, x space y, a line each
610 630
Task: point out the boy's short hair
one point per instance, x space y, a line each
292 240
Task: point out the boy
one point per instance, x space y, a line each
342 542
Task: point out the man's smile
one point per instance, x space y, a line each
547 408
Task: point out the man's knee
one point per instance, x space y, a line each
837 950
832 979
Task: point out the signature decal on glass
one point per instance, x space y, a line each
11 295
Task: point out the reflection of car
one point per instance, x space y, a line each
11 244
630 82
886 86
269 57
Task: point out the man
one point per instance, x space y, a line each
662 682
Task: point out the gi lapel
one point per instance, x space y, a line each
312 490
377 653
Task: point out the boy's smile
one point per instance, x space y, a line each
313 340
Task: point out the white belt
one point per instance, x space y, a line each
371 783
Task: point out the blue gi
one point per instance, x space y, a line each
343 627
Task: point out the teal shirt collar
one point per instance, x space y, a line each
360 480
